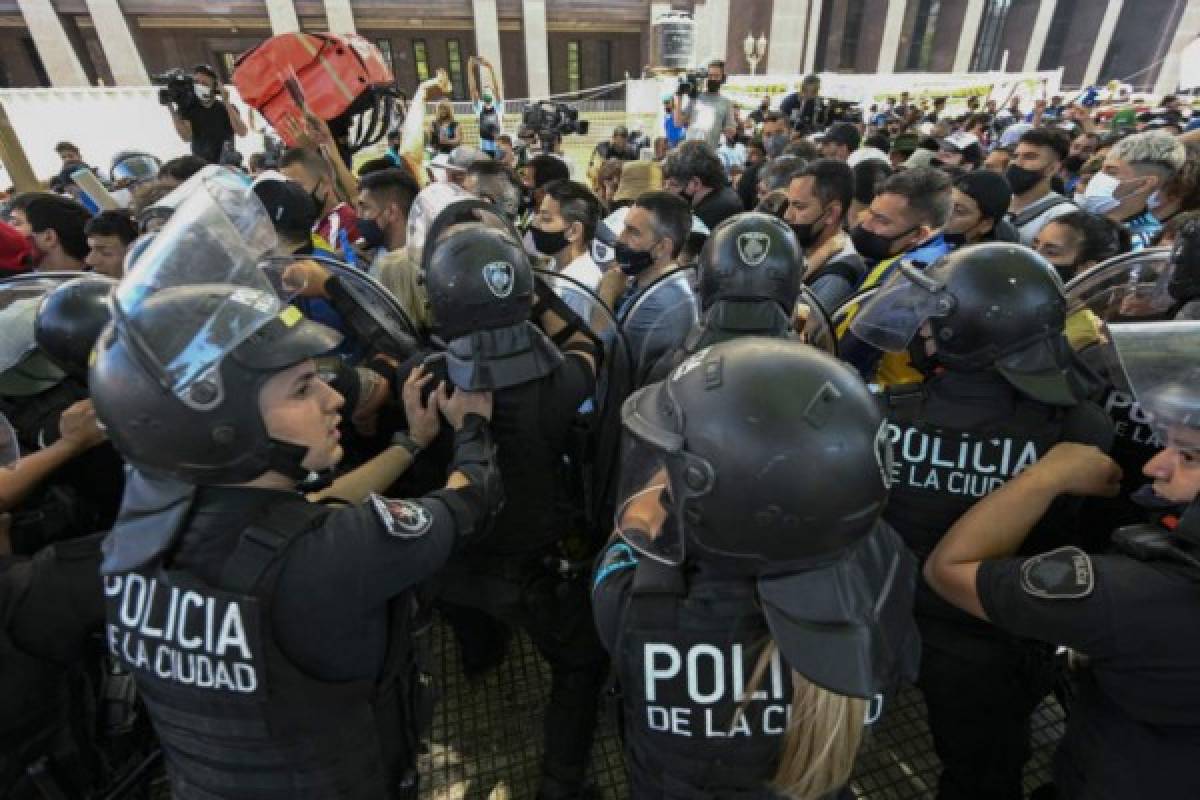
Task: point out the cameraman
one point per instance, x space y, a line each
709 113
210 121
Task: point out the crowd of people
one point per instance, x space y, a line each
764 418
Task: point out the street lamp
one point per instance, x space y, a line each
754 50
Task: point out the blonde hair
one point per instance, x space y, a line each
822 739
444 111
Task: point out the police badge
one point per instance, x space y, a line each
753 247
499 277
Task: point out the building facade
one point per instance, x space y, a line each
559 46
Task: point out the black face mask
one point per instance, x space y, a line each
632 262
1073 164
955 239
370 232
712 86
1066 271
1021 180
806 237
872 245
548 243
922 362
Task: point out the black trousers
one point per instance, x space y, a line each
981 691
556 614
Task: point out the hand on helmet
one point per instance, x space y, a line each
424 421
79 427
458 405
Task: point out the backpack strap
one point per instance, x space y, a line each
264 540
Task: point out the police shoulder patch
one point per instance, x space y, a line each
402 518
1062 574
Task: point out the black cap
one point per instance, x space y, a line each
843 133
989 190
289 207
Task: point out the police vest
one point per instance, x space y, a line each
685 660
940 470
236 718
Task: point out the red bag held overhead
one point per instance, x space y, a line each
338 76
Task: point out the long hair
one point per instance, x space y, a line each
823 736
445 112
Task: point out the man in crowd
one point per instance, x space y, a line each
337 224
109 235
563 229
708 113
1134 169
818 201
497 183
840 141
980 200
694 172
212 121
385 199
55 226
655 310
1035 162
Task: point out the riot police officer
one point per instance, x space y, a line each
1134 727
985 326
746 521
269 636
750 274
528 573
70 481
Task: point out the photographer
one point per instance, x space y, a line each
489 109
709 113
208 120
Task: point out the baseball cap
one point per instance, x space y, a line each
14 249
290 208
843 133
958 141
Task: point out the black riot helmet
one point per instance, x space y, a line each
198 328
1184 284
70 320
480 287
718 470
746 481
990 306
750 274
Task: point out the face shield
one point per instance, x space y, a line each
218 236
1129 287
428 204
658 476
135 169
20 300
894 314
1159 363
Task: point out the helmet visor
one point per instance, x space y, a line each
135 169
1159 363
894 314
218 238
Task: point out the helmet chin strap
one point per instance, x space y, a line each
288 459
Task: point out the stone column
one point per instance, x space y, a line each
1103 39
340 17
537 48
892 26
1037 40
814 28
112 30
970 32
785 54
487 34
718 26
1185 34
53 46
283 16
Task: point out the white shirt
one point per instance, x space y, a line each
584 270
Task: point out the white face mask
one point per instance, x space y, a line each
1098 197
203 92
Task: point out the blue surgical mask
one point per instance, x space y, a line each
1098 197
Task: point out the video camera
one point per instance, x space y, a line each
691 82
547 117
179 89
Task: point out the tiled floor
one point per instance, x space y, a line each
487 738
